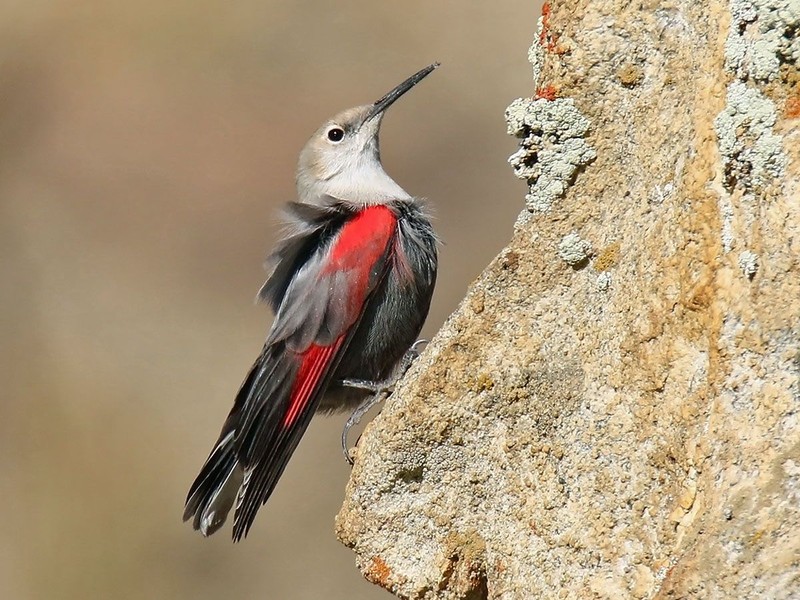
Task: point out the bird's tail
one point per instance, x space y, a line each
215 490
213 493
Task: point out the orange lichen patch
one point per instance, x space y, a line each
547 39
630 75
791 110
545 23
379 573
465 571
481 383
608 257
547 92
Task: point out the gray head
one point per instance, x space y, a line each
342 159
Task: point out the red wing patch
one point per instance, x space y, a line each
313 368
358 250
360 247
363 238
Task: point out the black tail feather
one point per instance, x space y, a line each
213 493
255 495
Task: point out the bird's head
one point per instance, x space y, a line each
342 159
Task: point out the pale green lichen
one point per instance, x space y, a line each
573 250
748 263
726 212
762 38
751 153
763 34
553 147
536 53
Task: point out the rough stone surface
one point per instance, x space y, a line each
630 429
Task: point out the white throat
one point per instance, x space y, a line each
359 180
365 183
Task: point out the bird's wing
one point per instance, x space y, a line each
307 227
319 311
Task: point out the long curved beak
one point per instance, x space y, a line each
389 99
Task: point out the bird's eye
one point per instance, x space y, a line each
335 134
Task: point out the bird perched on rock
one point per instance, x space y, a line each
350 284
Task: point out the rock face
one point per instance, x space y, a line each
623 421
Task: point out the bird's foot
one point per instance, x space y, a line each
379 391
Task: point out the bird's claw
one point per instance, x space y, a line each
355 419
380 390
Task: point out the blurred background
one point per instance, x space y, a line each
144 149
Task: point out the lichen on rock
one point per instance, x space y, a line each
536 53
748 263
763 35
573 250
553 147
752 153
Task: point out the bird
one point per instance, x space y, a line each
350 284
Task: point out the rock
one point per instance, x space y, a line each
566 437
